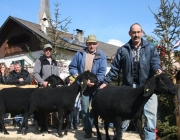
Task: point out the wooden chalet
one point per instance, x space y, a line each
16 34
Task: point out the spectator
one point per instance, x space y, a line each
18 76
139 60
11 67
94 60
3 73
45 66
3 80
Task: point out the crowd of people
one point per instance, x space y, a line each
137 61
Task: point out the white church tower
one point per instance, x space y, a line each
44 14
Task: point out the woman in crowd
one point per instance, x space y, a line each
3 76
3 73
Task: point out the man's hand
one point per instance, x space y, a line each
2 72
159 71
45 84
89 84
21 79
102 86
75 75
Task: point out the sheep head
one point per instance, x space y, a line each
54 80
87 76
160 84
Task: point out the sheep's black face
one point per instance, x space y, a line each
54 80
87 75
165 85
93 78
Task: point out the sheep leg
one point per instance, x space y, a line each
44 122
36 127
118 123
26 117
68 119
36 123
20 128
2 124
60 121
1 129
97 126
106 126
138 126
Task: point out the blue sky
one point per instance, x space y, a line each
104 18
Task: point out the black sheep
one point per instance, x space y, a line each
16 100
59 99
115 104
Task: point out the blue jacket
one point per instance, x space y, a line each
148 65
99 64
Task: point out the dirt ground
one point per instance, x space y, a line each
72 135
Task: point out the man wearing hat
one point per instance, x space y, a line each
45 66
94 60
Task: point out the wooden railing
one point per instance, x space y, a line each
10 86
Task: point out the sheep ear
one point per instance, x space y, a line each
150 86
83 85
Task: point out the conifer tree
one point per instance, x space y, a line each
56 32
167 36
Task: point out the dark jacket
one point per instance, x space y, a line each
3 79
43 69
149 63
13 77
99 64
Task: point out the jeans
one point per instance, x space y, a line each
20 120
150 113
87 113
111 125
75 117
6 121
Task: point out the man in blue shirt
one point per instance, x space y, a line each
139 60
93 60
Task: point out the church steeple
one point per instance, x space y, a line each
44 12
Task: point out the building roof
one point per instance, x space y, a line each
108 49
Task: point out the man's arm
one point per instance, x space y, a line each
36 72
102 68
114 71
12 80
155 60
27 78
73 65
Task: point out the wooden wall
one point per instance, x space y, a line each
16 40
